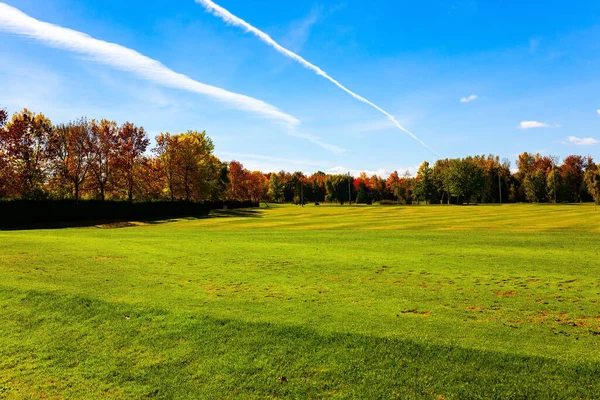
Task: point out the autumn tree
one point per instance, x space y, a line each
149 175
6 175
572 171
132 142
71 152
363 193
391 185
187 163
239 182
258 186
318 186
104 141
3 117
24 141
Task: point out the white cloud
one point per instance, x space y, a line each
536 124
469 99
598 111
233 20
582 141
16 22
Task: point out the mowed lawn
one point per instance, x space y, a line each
332 301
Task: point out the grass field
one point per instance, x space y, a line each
290 302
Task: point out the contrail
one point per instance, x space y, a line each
16 22
231 19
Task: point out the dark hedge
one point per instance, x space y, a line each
18 213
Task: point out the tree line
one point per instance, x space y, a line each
101 160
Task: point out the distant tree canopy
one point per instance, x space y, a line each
99 159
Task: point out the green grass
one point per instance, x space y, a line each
364 302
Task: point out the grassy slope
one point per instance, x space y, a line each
458 302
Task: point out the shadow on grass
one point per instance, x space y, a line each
75 346
237 213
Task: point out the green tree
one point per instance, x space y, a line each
466 178
337 188
276 188
592 180
535 186
424 184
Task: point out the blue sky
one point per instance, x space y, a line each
526 72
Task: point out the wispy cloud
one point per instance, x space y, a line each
536 124
16 22
299 31
266 164
598 111
231 19
534 43
582 141
316 140
469 99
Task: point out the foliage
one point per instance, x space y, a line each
275 188
91 159
25 144
339 188
424 184
592 181
187 164
466 178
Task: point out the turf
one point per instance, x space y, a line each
291 302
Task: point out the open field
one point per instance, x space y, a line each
330 301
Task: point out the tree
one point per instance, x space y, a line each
71 150
276 188
405 189
104 140
555 186
535 186
25 143
572 171
3 117
592 180
6 165
258 186
466 178
318 186
363 194
238 181
188 166
441 181
337 188
132 142
424 186
392 183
